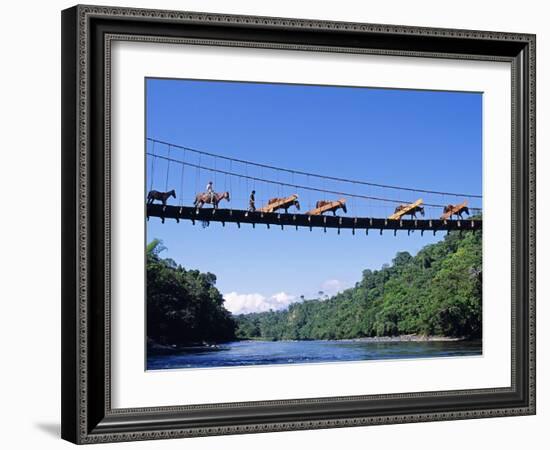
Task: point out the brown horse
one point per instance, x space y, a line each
161 196
337 205
412 212
458 213
214 200
285 206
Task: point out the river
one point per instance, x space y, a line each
254 353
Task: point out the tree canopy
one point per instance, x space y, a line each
183 306
437 292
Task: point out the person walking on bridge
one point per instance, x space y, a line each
252 202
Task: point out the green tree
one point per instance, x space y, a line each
183 306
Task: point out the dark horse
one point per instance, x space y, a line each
458 213
214 200
412 212
161 196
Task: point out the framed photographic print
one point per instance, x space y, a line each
281 224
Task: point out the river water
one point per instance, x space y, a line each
253 353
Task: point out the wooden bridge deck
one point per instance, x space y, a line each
310 221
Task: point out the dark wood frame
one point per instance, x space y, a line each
87 32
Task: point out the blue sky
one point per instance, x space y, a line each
421 139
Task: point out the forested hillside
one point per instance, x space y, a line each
183 306
437 293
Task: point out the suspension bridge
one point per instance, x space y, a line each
247 192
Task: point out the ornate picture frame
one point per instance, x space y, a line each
87 35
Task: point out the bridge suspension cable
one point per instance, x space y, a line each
314 175
248 177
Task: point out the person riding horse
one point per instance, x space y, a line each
211 198
210 191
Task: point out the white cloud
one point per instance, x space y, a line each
332 287
249 303
239 303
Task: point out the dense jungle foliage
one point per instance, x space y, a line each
183 306
437 292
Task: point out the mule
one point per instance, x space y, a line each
284 206
341 204
411 212
458 213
